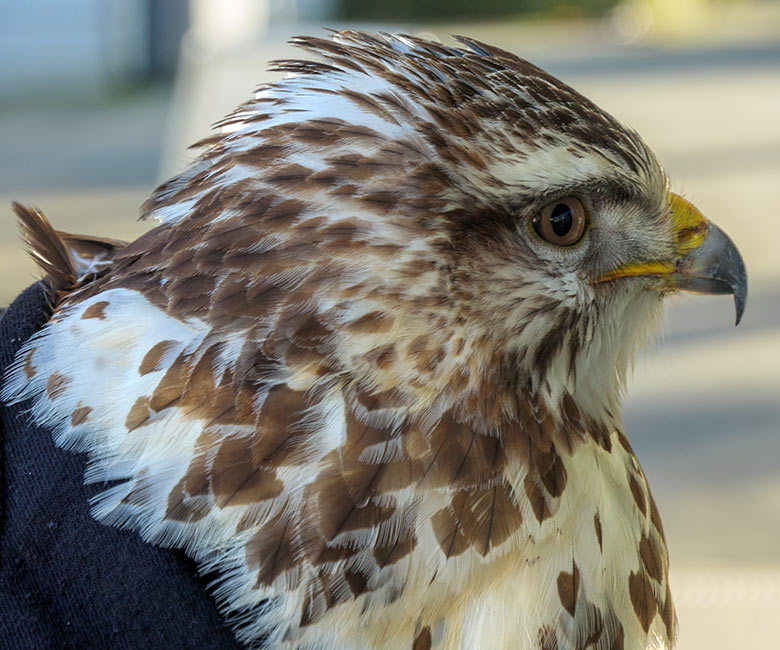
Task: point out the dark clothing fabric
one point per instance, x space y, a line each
67 581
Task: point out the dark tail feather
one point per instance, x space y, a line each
46 248
67 260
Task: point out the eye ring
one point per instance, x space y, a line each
562 222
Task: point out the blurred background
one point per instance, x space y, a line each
99 100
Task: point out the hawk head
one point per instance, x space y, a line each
371 356
457 219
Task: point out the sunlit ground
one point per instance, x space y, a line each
704 410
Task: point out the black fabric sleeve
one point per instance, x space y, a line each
65 580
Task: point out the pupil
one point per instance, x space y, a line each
561 219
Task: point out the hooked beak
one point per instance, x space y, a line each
706 260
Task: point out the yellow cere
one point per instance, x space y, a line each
690 225
690 228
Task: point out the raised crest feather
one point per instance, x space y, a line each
46 247
67 260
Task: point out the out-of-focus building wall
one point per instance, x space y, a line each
75 48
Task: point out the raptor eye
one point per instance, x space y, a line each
562 222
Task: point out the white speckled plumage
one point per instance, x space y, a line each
345 373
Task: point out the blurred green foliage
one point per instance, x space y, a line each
443 10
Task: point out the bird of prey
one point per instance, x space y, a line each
368 365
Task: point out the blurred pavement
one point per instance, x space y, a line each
704 407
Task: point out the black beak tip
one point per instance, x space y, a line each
739 305
738 281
